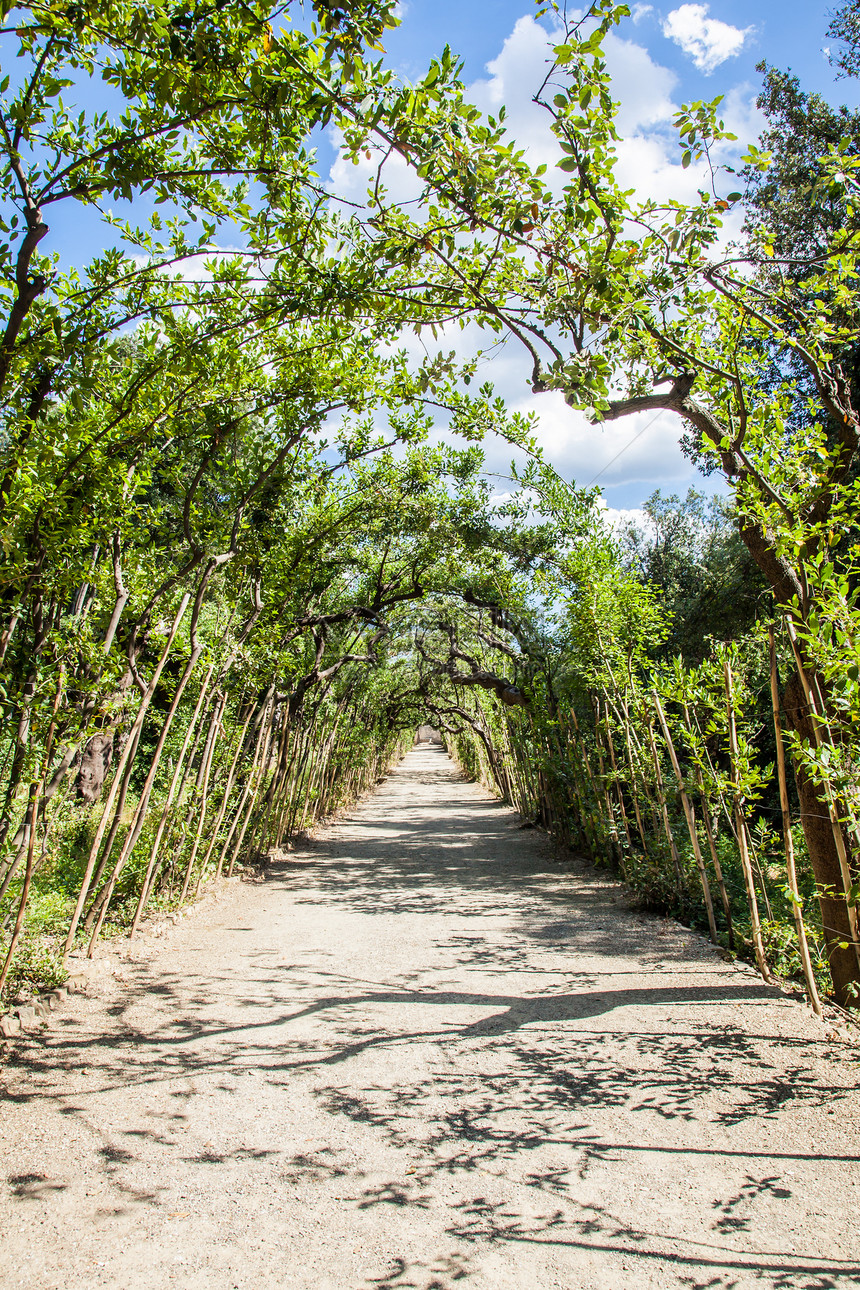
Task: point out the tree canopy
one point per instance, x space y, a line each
248 541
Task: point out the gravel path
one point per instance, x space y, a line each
423 1054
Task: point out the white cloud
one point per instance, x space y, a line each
648 156
708 41
638 448
199 266
641 11
643 88
351 180
515 75
634 450
742 116
621 519
641 448
649 159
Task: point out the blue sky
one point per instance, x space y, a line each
786 34
662 56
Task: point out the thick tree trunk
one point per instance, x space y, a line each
824 857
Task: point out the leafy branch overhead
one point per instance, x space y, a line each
249 542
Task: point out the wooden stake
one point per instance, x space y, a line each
619 794
788 842
661 797
171 795
227 789
690 817
741 833
130 747
614 840
25 891
259 770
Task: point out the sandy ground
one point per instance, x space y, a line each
422 1053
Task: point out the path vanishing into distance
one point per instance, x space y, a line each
423 1053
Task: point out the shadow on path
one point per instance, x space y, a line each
455 1050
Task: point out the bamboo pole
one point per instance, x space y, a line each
259 770
297 772
572 785
634 778
108 893
788 842
25 890
310 783
165 814
708 821
567 794
301 783
291 775
618 789
139 817
113 831
286 790
661 798
19 855
583 758
30 821
741 833
36 794
690 818
615 842
245 791
715 859
327 777
639 778
131 744
261 831
219 819
762 882
585 785
204 805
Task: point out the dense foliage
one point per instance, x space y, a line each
240 566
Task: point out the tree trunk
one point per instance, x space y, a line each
823 856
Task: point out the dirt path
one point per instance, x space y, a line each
423 1054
